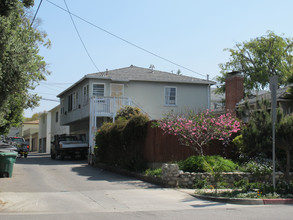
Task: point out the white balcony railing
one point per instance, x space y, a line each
108 106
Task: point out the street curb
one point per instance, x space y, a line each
277 201
245 201
231 200
159 182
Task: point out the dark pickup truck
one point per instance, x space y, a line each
68 145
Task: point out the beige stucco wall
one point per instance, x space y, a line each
79 113
56 128
27 125
150 97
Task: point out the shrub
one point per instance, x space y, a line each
127 112
121 143
198 164
259 166
155 172
200 184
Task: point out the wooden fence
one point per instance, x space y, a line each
161 147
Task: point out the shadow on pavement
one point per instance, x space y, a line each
97 174
45 159
82 169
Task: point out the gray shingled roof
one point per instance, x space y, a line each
281 94
134 73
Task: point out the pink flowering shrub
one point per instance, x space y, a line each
197 130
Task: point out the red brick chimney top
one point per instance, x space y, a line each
234 91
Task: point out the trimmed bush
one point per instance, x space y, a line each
121 143
197 164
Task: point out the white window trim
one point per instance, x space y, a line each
75 100
176 96
98 84
116 84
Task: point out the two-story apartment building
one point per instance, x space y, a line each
96 97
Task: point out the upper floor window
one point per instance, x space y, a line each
170 95
85 94
62 106
70 103
75 100
57 116
98 90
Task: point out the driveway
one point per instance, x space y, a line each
41 188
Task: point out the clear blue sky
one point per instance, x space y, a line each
191 33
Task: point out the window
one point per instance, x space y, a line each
62 106
57 116
170 96
98 90
75 100
117 90
85 94
70 103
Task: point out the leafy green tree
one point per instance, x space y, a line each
257 136
258 59
34 117
21 67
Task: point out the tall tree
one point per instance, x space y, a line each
21 67
258 59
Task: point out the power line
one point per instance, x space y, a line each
55 83
126 41
52 88
36 13
80 37
43 93
52 100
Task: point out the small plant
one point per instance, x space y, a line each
259 167
154 173
200 184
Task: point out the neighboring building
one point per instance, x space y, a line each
96 97
14 132
217 100
234 95
29 131
50 126
56 128
44 129
284 100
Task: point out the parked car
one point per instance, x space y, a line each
68 145
21 145
5 147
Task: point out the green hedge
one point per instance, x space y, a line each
121 143
197 164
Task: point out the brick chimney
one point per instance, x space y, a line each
234 91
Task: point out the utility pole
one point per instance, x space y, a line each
273 88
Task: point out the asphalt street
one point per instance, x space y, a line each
41 188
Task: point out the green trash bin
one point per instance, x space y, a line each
7 160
